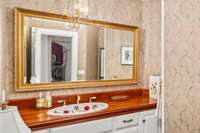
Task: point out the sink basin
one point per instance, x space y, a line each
78 109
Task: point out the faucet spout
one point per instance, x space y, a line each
78 99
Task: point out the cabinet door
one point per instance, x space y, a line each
98 126
128 130
148 122
151 124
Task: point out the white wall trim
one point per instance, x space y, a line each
163 63
44 31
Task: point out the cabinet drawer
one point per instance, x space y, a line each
126 120
98 126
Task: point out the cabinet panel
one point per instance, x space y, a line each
42 131
99 126
128 130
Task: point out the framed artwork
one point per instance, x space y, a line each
127 56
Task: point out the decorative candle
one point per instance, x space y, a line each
3 96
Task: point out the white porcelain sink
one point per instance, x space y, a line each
78 109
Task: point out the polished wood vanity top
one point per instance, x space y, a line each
138 101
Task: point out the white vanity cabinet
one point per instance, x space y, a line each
140 122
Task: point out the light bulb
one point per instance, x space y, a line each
81 9
76 6
86 10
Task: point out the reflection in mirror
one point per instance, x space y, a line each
56 53
119 54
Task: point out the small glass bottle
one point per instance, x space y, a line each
40 102
48 100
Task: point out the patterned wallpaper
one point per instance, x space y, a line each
182 66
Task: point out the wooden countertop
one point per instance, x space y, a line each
37 120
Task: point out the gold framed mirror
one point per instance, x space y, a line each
58 52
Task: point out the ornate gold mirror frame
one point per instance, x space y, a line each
19 47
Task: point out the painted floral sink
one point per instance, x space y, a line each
78 109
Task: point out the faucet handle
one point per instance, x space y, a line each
92 98
62 101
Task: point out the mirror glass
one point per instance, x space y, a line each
56 52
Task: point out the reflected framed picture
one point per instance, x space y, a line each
127 56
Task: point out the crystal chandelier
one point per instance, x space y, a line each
78 10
